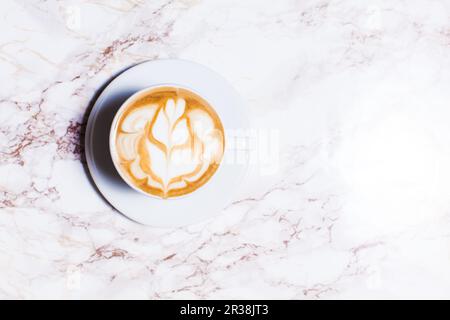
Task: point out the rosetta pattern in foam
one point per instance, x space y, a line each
169 148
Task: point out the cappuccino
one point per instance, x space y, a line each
167 141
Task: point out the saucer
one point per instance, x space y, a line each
205 202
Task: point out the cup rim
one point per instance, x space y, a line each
113 134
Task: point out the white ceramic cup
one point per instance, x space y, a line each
114 129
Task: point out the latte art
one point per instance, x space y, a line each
169 142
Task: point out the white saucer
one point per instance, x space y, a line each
203 203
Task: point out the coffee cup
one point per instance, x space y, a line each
166 141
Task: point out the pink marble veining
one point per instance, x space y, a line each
358 207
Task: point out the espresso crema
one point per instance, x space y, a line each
168 141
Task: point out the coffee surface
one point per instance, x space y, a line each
169 142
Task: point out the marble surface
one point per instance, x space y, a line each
357 205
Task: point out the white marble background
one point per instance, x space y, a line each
360 205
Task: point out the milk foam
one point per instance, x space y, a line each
169 146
